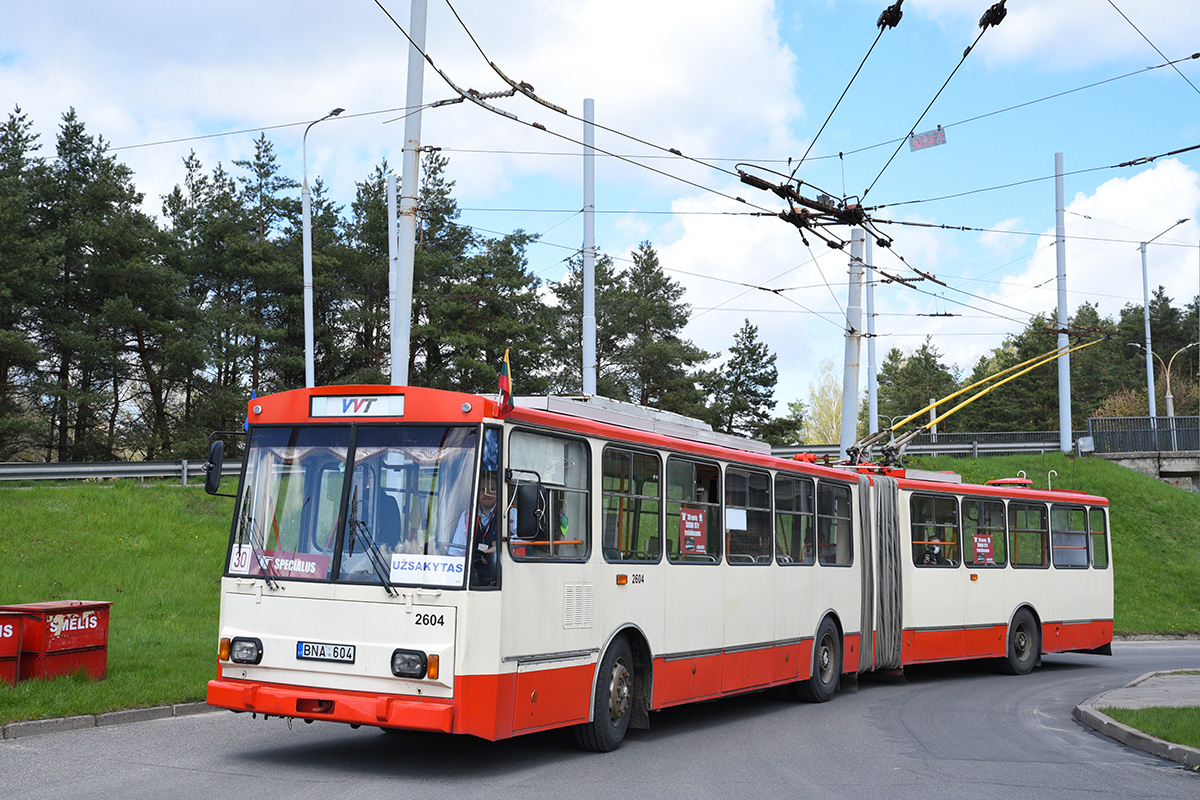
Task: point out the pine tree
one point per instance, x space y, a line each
742 389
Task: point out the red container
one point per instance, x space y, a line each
61 638
10 647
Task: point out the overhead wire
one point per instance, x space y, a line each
991 18
1160 52
888 19
477 99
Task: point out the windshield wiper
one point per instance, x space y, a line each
265 564
359 529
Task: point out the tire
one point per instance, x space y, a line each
827 665
1024 645
612 708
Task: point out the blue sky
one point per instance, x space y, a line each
747 82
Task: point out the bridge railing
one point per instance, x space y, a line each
1144 434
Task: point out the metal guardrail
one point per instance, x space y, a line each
1109 435
961 445
100 470
1144 434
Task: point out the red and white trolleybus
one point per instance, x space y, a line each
417 559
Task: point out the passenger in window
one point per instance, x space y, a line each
483 548
933 551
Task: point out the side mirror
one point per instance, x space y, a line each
212 469
532 507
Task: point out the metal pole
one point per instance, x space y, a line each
306 235
409 174
589 248
1065 428
872 365
853 342
393 267
1149 359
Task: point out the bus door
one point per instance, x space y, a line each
1074 594
985 557
549 594
937 602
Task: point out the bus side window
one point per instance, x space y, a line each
632 505
794 520
983 532
1028 529
934 527
693 512
835 540
561 467
1099 534
1069 536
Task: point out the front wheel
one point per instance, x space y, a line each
1024 645
827 665
613 705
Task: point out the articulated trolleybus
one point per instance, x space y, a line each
416 559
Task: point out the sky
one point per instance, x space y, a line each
746 85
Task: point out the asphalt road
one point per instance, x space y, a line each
958 731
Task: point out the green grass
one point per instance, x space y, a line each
155 551
1155 533
1178 725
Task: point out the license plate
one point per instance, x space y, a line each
320 651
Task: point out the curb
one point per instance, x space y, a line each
1086 713
37 727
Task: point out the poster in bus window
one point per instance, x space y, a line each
692 526
983 548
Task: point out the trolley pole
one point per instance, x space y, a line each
872 365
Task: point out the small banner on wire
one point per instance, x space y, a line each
920 141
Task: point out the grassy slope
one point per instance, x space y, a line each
156 551
1155 533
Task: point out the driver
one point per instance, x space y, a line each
483 547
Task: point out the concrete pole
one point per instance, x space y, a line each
393 266
872 364
1149 352
589 248
1065 428
853 343
409 177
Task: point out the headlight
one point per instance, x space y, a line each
408 664
246 651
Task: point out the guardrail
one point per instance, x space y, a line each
961 445
98 470
1144 434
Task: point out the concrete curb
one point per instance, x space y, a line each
1086 713
37 727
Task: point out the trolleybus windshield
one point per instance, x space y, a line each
410 486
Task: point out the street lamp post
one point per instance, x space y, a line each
306 202
1146 315
1170 399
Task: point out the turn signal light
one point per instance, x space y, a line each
622 580
431 668
223 649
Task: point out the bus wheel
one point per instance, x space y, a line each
614 698
827 665
1024 645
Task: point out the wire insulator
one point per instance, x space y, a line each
890 16
993 16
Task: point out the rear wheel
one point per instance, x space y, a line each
614 701
827 665
1024 645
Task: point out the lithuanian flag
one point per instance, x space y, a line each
506 403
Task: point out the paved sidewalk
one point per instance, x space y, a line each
37 727
1152 690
